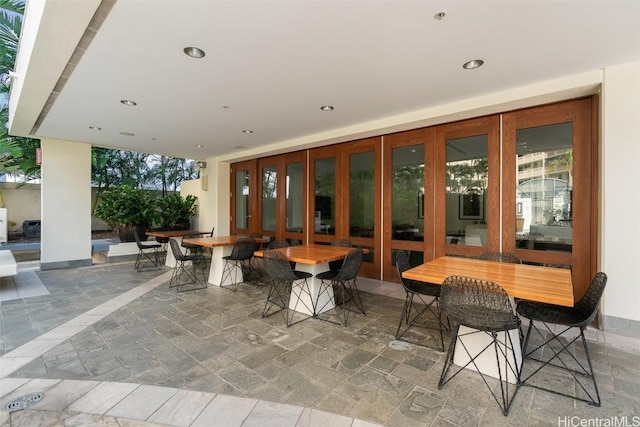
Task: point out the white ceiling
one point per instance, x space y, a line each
275 63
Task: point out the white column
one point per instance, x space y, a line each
620 200
66 204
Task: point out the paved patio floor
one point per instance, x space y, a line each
108 345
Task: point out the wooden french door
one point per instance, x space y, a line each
550 182
345 202
282 203
244 197
409 208
523 182
467 187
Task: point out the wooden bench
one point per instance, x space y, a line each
8 264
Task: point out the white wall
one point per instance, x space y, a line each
212 190
66 204
620 199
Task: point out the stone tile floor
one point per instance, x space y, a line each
115 347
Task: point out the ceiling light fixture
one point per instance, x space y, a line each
199 146
194 52
247 131
439 16
127 133
474 63
95 128
326 107
128 102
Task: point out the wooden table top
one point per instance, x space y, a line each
534 283
175 233
212 242
312 254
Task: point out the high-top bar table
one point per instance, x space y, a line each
312 259
534 283
220 246
170 260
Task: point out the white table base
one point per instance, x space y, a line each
306 302
217 266
487 361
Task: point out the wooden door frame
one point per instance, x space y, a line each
490 126
583 256
374 144
252 167
331 151
425 137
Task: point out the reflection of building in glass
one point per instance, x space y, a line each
544 188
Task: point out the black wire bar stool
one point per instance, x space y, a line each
421 299
285 281
149 255
338 289
188 268
485 308
567 318
237 262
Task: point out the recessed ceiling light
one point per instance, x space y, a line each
199 146
193 52
474 63
127 133
129 103
326 107
247 131
95 128
439 16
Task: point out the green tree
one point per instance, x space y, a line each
16 153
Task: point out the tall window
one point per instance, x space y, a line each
407 204
544 158
294 197
242 199
325 196
269 198
362 194
467 183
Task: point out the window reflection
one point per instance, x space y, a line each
467 180
545 187
295 203
242 199
407 208
269 198
361 194
325 197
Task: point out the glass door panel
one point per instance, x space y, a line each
407 199
244 202
325 196
544 159
269 198
295 198
362 216
241 193
467 183
362 201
